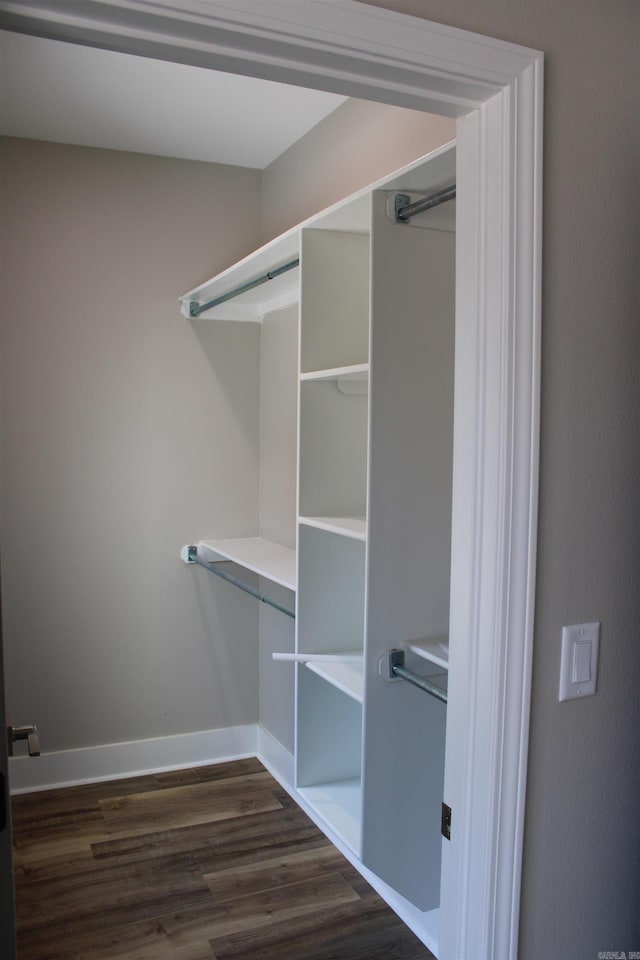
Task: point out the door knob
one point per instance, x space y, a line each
28 733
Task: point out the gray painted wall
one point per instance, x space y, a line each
358 143
127 431
581 890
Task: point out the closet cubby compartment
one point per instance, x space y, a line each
334 300
331 608
333 451
345 676
329 755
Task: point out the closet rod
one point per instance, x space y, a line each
405 209
192 557
398 669
195 308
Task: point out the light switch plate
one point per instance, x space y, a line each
579 660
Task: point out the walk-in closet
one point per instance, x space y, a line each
350 556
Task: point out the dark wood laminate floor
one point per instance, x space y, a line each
210 862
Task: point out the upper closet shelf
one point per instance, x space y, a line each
264 281
350 216
268 559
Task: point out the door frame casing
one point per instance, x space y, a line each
7 901
495 90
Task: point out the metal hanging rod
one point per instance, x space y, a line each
195 308
398 669
192 557
404 209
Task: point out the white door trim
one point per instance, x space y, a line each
495 89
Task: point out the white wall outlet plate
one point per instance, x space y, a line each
579 660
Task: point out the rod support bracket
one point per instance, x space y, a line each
391 667
189 553
396 659
388 662
404 208
400 201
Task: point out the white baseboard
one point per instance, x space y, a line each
114 761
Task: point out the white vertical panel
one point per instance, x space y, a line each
410 463
278 456
278 425
276 679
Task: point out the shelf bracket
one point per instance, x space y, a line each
398 670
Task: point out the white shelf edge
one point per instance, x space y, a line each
432 651
269 255
267 559
347 677
353 527
355 372
339 804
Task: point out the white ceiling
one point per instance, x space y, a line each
67 93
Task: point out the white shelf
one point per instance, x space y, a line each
348 677
351 215
354 527
355 373
436 651
339 804
253 304
268 559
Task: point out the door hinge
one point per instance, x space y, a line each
445 825
3 803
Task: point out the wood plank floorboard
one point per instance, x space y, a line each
207 863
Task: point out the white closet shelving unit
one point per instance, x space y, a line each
371 566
